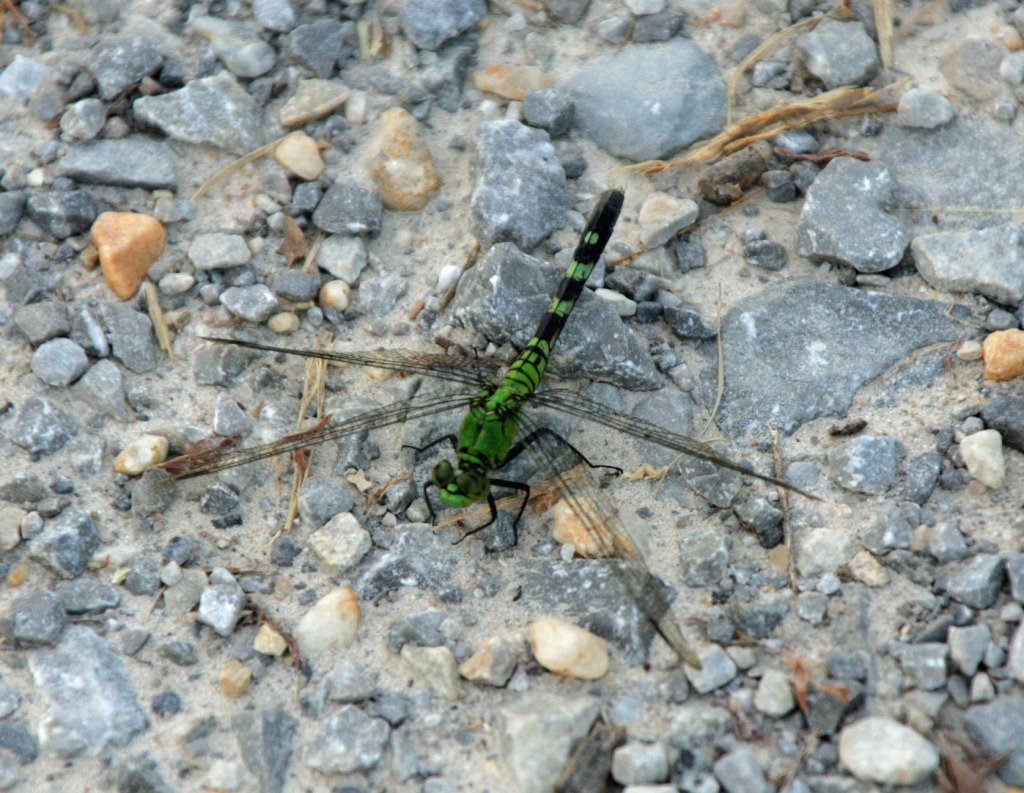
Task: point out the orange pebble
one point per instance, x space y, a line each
1003 353
128 243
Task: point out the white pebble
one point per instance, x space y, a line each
335 294
141 454
177 283
448 277
331 622
565 649
887 752
983 455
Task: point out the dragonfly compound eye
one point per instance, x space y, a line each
473 485
443 474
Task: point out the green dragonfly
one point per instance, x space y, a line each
498 427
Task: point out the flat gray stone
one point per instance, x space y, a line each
519 194
849 217
88 699
135 161
988 262
671 90
802 350
212 110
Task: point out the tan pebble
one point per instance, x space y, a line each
433 667
141 454
234 679
983 456
127 243
970 350
1003 352
335 294
494 660
510 82
569 530
283 323
865 568
269 642
10 527
566 649
299 154
330 622
313 99
340 543
17 576
402 167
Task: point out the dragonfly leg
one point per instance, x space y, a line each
523 488
426 497
420 449
521 446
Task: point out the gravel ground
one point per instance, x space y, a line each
172 638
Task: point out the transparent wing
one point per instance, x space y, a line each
597 513
575 405
197 463
468 371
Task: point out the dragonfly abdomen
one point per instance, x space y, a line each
525 373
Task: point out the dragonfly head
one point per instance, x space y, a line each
462 488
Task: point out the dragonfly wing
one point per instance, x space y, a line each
576 405
601 519
468 371
207 462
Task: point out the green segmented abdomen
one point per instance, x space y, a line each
525 374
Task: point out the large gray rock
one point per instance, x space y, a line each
802 350
672 91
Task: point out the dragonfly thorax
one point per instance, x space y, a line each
460 488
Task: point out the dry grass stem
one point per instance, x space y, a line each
770 44
837 103
313 390
883 24
241 162
156 314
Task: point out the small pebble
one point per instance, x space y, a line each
234 678
864 567
663 216
774 696
983 456
331 622
313 99
969 350
884 751
494 660
1003 352
510 82
59 362
284 323
568 650
141 454
433 667
401 167
335 294
269 642
128 243
299 154
340 543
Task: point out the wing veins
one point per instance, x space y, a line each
596 511
393 413
472 371
575 405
